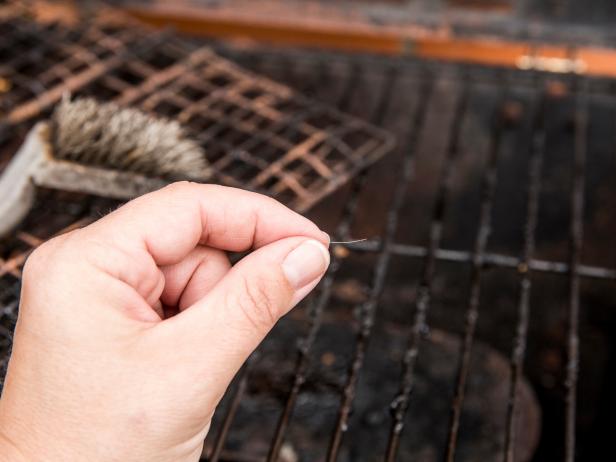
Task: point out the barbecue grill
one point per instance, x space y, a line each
475 321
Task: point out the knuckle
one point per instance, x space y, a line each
48 264
101 254
34 262
43 256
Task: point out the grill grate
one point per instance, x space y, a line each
432 254
497 175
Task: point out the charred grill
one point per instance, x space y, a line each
489 224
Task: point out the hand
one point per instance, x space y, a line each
102 369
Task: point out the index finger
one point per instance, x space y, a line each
170 222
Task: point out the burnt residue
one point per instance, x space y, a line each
523 305
316 408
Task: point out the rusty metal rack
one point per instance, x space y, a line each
256 134
260 135
491 222
39 62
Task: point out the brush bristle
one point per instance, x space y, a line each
106 135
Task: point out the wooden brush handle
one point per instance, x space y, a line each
16 187
33 165
114 184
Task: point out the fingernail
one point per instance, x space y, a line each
326 237
305 263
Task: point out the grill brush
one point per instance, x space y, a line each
97 148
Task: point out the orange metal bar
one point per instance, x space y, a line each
481 52
355 36
227 26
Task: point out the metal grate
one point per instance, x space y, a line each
480 235
535 110
256 134
40 62
260 135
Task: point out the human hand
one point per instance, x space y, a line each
101 370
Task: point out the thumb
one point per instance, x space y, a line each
225 326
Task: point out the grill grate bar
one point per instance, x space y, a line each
488 189
236 399
400 404
576 238
458 256
532 211
489 259
341 233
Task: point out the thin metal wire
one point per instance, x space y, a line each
352 242
400 404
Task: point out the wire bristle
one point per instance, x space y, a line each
107 135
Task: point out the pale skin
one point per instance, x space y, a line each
131 329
